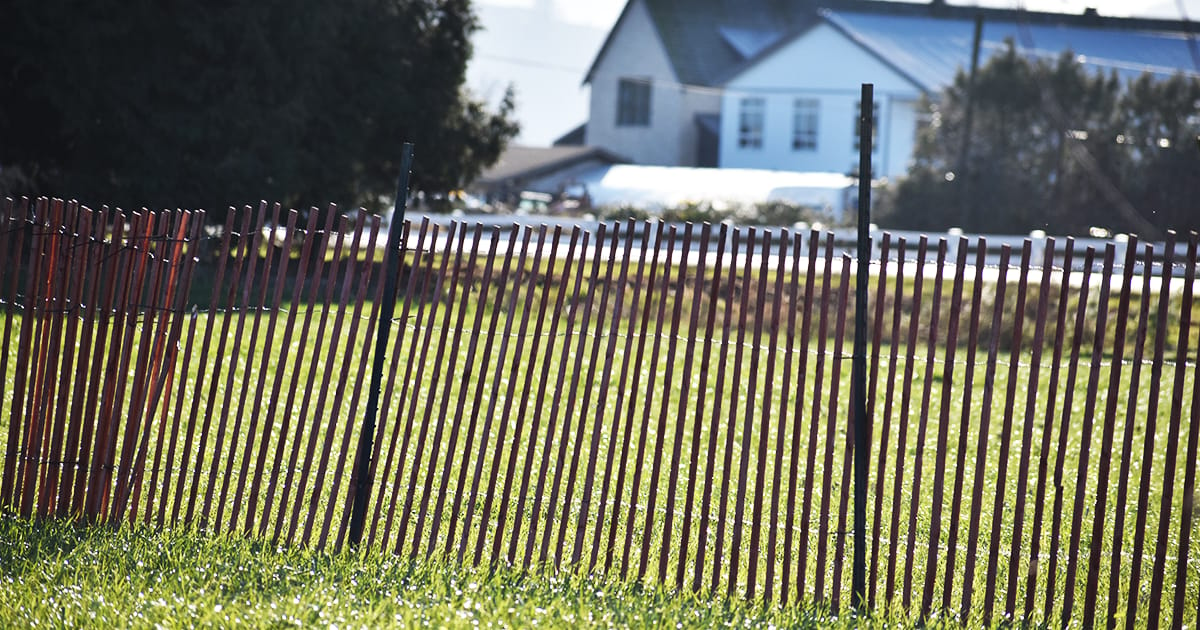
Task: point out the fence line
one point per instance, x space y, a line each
590 400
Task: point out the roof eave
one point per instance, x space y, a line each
587 78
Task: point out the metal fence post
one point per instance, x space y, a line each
391 259
858 378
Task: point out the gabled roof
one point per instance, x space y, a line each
704 39
710 41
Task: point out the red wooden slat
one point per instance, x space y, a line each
815 419
421 363
110 265
544 378
621 390
947 387
598 421
681 417
250 306
202 368
1010 398
1089 413
298 302
664 400
75 253
914 318
1104 457
635 366
751 403
30 334
555 405
1189 483
90 349
346 453
1031 397
1151 416
1172 444
886 425
319 423
923 423
260 387
45 359
451 374
1060 335
350 280
965 422
517 356
730 437
1064 428
468 369
981 453
1132 420
476 406
644 429
13 232
538 276
835 381
246 240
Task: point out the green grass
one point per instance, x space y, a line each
59 575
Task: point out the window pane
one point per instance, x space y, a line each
805 120
750 123
633 102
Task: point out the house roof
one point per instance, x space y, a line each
930 49
704 39
710 41
521 162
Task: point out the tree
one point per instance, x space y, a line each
1053 147
211 104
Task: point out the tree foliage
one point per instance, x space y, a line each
216 103
1053 147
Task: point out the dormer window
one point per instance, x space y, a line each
633 103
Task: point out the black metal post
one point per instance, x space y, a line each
858 377
391 260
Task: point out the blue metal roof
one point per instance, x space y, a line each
930 50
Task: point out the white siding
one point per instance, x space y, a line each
824 65
636 51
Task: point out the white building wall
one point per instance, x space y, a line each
821 64
636 51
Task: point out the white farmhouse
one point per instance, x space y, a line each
774 84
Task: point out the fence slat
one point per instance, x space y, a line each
835 381
460 320
1064 428
1172 444
984 429
1044 452
1189 483
797 413
914 321
1104 457
781 430
314 300
923 423
815 418
748 420
1130 429
12 233
710 320
886 424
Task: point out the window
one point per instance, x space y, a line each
750 123
874 126
633 103
805 116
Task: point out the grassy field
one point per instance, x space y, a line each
58 575
509 388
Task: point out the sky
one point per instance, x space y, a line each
543 48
